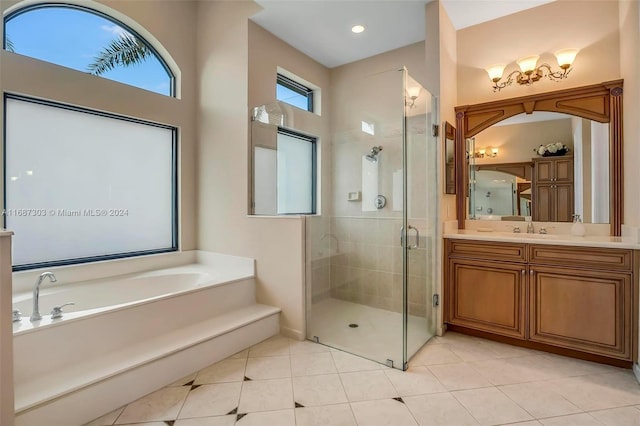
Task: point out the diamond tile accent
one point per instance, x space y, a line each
454 379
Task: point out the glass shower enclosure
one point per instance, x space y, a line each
370 261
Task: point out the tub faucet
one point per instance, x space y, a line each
35 316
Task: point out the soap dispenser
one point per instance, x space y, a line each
578 227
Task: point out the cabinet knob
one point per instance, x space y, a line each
531 273
523 272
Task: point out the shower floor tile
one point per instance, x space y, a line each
440 388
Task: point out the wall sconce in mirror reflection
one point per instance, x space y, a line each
530 72
412 94
486 152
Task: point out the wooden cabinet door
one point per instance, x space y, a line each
543 203
487 296
563 169
589 311
544 170
563 202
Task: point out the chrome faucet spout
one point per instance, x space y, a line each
35 315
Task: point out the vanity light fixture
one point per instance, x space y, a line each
486 152
357 29
529 73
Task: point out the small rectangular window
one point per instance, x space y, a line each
285 175
294 93
296 173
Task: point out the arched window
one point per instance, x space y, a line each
89 175
86 40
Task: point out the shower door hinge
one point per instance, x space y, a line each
389 363
436 300
435 129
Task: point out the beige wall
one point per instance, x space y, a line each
630 71
223 117
266 54
447 41
517 142
591 27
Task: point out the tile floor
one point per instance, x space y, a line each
453 380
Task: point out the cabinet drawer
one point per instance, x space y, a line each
506 252
587 257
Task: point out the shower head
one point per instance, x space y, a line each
373 154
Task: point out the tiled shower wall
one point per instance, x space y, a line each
360 261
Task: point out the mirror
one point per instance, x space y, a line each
512 161
594 112
449 158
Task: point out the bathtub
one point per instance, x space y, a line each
107 294
128 335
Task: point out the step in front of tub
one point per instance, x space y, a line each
91 371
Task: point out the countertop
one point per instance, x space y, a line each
551 239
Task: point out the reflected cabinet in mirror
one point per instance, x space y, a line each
548 157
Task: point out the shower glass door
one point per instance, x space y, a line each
367 259
420 214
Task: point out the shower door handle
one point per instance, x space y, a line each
402 237
417 244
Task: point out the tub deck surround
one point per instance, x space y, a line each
153 327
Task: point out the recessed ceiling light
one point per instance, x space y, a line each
357 29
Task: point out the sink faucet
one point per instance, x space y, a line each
530 229
35 316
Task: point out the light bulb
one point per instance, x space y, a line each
357 29
413 92
528 65
566 57
495 72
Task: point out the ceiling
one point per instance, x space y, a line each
322 28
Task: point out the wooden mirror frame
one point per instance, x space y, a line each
450 185
598 102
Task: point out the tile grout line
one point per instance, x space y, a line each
515 402
353 413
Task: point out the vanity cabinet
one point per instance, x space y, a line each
579 299
553 189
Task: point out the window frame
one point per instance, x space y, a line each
313 140
32 7
174 182
301 89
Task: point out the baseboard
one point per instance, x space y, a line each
292 333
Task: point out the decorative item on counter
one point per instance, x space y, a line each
578 228
552 149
